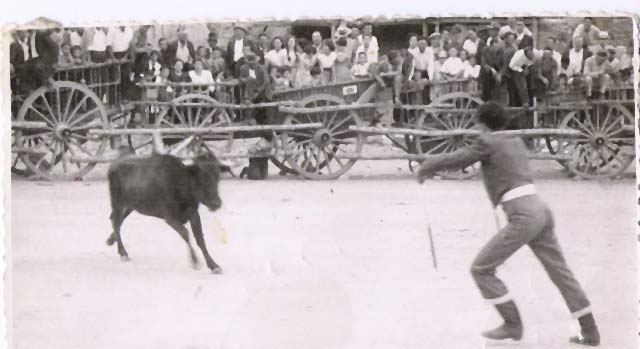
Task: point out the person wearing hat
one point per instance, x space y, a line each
367 30
494 32
596 72
587 30
520 66
434 43
235 47
509 49
33 57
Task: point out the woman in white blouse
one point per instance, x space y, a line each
327 60
199 75
277 56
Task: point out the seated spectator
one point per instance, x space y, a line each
178 75
563 83
596 73
287 75
423 57
453 67
201 76
77 55
65 58
626 63
97 45
279 79
119 42
360 70
369 49
327 60
472 42
577 56
587 31
471 69
614 62
153 66
552 43
277 55
74 37
342 64
217 63
418 83
201 53
165 94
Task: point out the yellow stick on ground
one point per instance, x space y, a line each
433 249
222 234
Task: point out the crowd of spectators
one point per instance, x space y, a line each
501 58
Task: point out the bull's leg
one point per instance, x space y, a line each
184 233
112 238
196 228
117 216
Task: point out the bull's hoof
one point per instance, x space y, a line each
111 240
217 271
125 259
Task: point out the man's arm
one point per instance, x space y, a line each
461 158
514 64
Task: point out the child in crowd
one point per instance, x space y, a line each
437 74
77 54
165 92
417 84
343 61
471 69
327 61
307 61
360 70
316 76
281 82
65 58
562 84
154 66
452 68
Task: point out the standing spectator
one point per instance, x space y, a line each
471 69
423 58
292 54
307 60
316 41
164 54
326 61
73 36
520 64
217 63
546 71
434 43
614 62
20 49
177 74
360 70
39 58
142 40
587 31
471 44
119 42
342 67
97 44
77 55
367 30
212 42
183 49
457 36
353 43
368 49
235 48
522 31
263 47
154 67
277 56
453 67
413 41
436 90
552 43
510 48
492 68
596 73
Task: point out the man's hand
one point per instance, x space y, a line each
545 81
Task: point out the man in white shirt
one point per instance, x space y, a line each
368 48
587 31
367 30
119 42
423 58
235 48
520 63
576 57
97 44
471 44
453 67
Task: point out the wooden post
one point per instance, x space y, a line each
425 28
535 31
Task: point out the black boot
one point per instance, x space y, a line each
588 330
512 327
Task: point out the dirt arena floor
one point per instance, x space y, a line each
329 264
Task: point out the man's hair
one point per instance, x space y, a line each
552 38
392 55
341 42
412 35
492 115
421 38
263 34
362 54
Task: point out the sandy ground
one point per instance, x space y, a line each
333 264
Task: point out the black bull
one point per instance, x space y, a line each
162 186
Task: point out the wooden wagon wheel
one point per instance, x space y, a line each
317 153
604 149
449 121
195 111
70 110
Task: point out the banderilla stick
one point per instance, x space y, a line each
433 249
